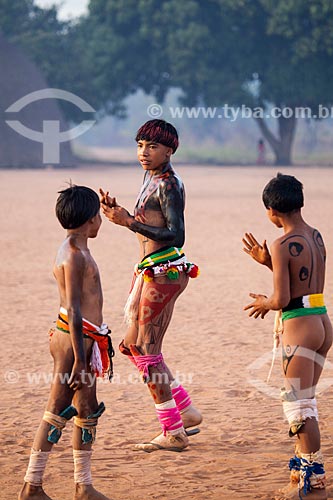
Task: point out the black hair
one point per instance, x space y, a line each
159 131
283 193
76 205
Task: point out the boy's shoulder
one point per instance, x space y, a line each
282 243
297 237
171 180
278 242
70 253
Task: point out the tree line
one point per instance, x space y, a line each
257 53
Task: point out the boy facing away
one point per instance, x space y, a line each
160 277
298 263
81 350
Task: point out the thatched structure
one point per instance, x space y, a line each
19 76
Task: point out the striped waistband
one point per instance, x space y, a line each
306 301
306 305
169 254
87 326
102 349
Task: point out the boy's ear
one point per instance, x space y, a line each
169 152
277 213
92 220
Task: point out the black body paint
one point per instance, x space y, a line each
163 193
295 249
287 357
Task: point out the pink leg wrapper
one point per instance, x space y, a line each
169 417
144 362
181 397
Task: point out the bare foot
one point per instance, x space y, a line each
29 492
291 492
191 417
169 442
87 492
288 492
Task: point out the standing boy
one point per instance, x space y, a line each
80 349
160 277
298 263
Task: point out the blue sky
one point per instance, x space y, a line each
68 8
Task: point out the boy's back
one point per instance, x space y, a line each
304 251
298 264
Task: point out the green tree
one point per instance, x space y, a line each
258 53
38 31
57 47
121 56
295 67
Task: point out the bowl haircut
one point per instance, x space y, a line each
159 131
283 193
76 205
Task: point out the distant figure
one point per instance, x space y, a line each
261 160
81 350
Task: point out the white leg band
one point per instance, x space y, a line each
298 411
36 467
82 467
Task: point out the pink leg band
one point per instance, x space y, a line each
181 397
144 362
170 420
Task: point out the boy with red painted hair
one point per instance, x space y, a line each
160 277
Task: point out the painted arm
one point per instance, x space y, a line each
74 270
281 282
170 197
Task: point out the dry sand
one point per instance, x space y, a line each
220 354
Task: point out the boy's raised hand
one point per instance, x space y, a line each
114 212
106 200
259 253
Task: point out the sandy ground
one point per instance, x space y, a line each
220 354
